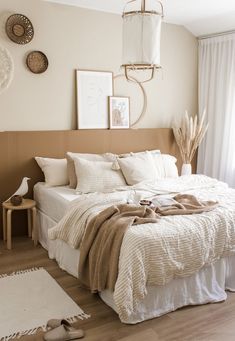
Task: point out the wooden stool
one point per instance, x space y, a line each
30 206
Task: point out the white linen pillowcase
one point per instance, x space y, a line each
91 157
116 165
138 168
55 171
97 176
165 166
152 152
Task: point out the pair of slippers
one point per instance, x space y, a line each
61 330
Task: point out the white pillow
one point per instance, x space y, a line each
97 176
116 165
138 153
153 152
55 170
92 157
165 166
138 168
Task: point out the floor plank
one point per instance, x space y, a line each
148 334
211 322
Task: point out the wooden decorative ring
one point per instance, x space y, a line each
144 107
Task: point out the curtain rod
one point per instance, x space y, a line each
216 35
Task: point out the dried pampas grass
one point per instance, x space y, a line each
189 135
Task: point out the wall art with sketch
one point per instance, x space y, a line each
93 90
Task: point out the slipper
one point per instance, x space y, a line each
63 333
54 323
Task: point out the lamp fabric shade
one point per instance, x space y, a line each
141 38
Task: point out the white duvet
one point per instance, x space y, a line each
154 254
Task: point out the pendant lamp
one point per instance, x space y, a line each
141 39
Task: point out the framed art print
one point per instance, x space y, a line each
93 91
119 112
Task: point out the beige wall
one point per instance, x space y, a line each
77 38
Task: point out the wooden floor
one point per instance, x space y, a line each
212 322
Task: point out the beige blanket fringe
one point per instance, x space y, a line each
100 249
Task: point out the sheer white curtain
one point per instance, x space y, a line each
216 155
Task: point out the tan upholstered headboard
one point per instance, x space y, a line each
19 148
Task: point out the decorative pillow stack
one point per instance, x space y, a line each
106 172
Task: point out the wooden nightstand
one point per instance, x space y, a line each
30 206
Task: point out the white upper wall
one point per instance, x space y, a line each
201 17
75 38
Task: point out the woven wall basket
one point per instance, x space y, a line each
19 29
37 62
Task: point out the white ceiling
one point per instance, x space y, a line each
201 17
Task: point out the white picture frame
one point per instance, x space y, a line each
119 112
93 91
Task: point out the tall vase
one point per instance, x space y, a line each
186 169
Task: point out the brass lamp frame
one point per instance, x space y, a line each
137 67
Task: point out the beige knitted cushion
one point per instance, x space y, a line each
97 176
91 157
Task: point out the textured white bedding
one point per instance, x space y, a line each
207 285
66 257
53 201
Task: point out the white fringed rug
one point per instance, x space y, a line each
28 299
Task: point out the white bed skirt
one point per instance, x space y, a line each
207 285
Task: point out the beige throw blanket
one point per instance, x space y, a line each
186 204
100 249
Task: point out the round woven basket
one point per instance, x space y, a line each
37 62
19 29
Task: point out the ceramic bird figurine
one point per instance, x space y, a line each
23 189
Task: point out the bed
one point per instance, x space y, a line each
208 284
